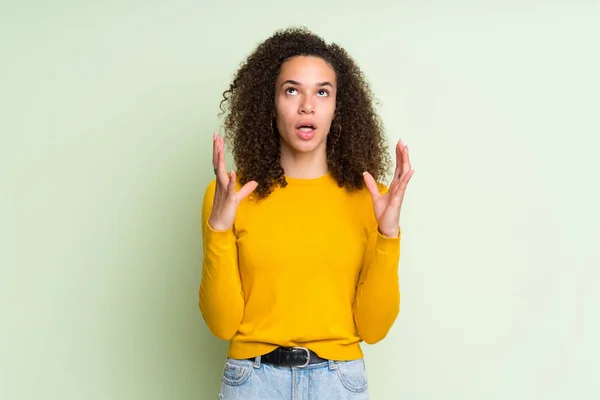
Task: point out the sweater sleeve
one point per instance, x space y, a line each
221 299
377 300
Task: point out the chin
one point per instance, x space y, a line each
300 146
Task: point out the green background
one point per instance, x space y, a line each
108 110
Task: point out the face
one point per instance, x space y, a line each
305 93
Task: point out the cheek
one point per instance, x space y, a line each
331 111
284 114
332 105
283 120
279 112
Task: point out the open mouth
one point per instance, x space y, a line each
306 128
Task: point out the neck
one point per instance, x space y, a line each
304 165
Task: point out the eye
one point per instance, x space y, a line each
290 90
323 92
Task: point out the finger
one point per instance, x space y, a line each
398 170
371 184
246 190
231 185
406 167
221 167
407 178
215 160
403 183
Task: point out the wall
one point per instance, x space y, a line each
108 114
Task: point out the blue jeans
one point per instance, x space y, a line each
329 380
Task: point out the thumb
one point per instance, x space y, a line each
371 184
246 190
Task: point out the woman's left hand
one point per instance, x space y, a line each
387 206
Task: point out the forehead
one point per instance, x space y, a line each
306 70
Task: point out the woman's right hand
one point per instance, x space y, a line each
226 200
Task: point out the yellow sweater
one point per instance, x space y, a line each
306 266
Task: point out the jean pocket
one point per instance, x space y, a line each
353 375
236 372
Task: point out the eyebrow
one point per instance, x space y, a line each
321 84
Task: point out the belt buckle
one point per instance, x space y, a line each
307 356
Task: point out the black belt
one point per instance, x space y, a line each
291 357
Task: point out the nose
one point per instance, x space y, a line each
306 105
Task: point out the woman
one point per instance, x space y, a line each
301 246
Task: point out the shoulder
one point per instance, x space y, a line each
362 197
209 189
362 205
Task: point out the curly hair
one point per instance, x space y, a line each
356 142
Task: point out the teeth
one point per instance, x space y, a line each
306 128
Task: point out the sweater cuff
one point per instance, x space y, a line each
219 238
388 244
